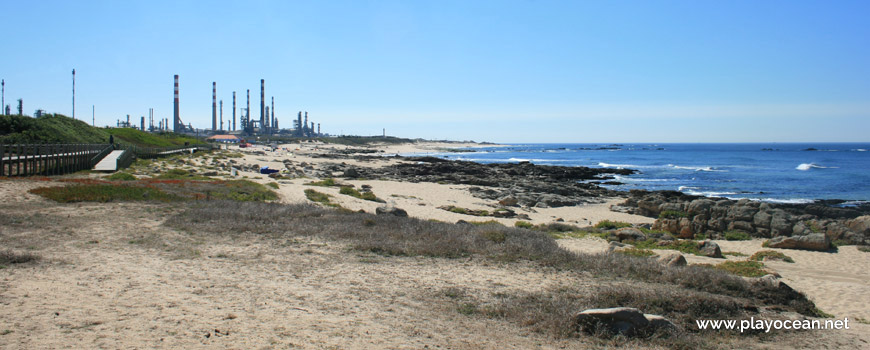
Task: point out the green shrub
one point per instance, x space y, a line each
770 254
864 248
273 185
643 253
325 182
103 193
319 197
743 268
610 225
700 237
683 245
737 236
524 224
495 236
121 176
673 214
369 196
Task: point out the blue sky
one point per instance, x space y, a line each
502 71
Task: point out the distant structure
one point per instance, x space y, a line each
297 127
74 95
3 101
234 111
268 126
177 125
246 124
318 129
214 106
262 103
305 131
142 123
274 121
20 107
222 114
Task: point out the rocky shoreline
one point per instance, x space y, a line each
531 186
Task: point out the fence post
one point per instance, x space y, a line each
2 160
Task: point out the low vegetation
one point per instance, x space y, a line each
610 225
762 255
121 176
737 236
325 183
57 128
637 252
366 195
163 190
103 193
408 236
864 248
744 268
682 245
319 197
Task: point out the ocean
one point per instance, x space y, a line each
773 172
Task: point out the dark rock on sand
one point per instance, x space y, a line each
816 241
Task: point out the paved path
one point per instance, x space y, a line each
110 162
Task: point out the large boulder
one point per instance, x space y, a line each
700 206
673 259
710 249
816 241
391 211
626 321
630 234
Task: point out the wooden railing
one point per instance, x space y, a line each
49 159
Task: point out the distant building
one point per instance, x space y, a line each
224 138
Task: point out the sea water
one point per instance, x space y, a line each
774 172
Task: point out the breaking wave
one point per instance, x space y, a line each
808 166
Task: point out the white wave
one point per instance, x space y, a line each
860 150
783 201
808 166
631 179
695 168
682 188
709 193
534 160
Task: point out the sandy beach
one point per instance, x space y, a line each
105 282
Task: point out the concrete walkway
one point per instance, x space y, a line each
109 162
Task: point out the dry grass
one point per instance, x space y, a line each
8 257
389 235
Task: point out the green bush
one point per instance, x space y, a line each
273 185
610 225
770 254
319 197
643 253
524 224
121 176
737 236
325 182
369 196
103 193
743 268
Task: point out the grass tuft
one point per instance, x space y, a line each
120 176
761 255
610 225
737 236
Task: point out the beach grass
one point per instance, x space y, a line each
762 255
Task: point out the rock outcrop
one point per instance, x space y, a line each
815 241
685 216
626 321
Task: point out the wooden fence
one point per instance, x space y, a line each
49 159
58 159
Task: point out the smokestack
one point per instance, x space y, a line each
267 119
20 107
74 94
142 124
274 122
3 100
222 114
234 111
214 105
262 103
248 113
176 126
318 129
305 129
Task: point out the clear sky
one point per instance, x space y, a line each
502 71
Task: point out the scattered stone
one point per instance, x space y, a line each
391 211
816 241
711 249
625 321
630 234
673 259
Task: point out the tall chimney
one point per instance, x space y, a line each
248 113
222 114
176 126
305 129
262 104
266 130
274 122
214 105
142 124
234 111
318 129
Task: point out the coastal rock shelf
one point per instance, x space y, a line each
684 216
